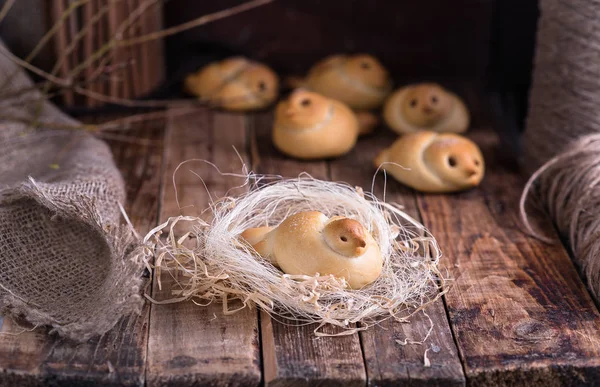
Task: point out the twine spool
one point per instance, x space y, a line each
562 138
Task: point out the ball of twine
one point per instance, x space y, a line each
563 127
215 265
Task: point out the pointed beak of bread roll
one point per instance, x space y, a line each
290 112
346 236
470 171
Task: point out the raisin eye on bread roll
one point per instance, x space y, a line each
433 162
236 84
425 106
310 126
360 81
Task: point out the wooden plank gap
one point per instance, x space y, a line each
189 344
293 355
519 311
387 362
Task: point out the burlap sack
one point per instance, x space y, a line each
64 260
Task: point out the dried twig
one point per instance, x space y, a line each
125 122
136 103
34 69
54 29
43 41
69 82
112 42
5 8
47 124
128 139
60 43
196 22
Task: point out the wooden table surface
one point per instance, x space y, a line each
517 313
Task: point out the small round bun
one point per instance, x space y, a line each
310 126
433 162
309 243
360 81
236 84
425 106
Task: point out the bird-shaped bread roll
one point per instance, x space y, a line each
425 106
433 162
359 81
309 243
236 84
310 126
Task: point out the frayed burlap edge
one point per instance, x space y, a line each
126 278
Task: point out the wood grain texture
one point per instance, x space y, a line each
87 50
293 355
116 53
519 311
117 358
188 344
389 363
146 56
58 9
102 35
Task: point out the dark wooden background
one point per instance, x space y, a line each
487 41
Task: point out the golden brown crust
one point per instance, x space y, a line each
359 81
425 106
255 235
236 84
300 246
310 126
433 162
346 236
259 240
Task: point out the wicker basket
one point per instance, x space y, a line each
82 28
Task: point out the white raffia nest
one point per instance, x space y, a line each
216 266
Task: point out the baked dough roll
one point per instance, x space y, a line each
310 126
236 84
425 106
433 162
360 81
309 243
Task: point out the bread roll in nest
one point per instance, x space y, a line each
212 264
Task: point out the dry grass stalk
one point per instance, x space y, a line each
76 74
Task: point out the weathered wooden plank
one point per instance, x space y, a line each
33 358
519 311
389 363
293 355
188 344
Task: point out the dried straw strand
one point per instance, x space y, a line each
211 264
195 23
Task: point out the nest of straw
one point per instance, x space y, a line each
212 264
